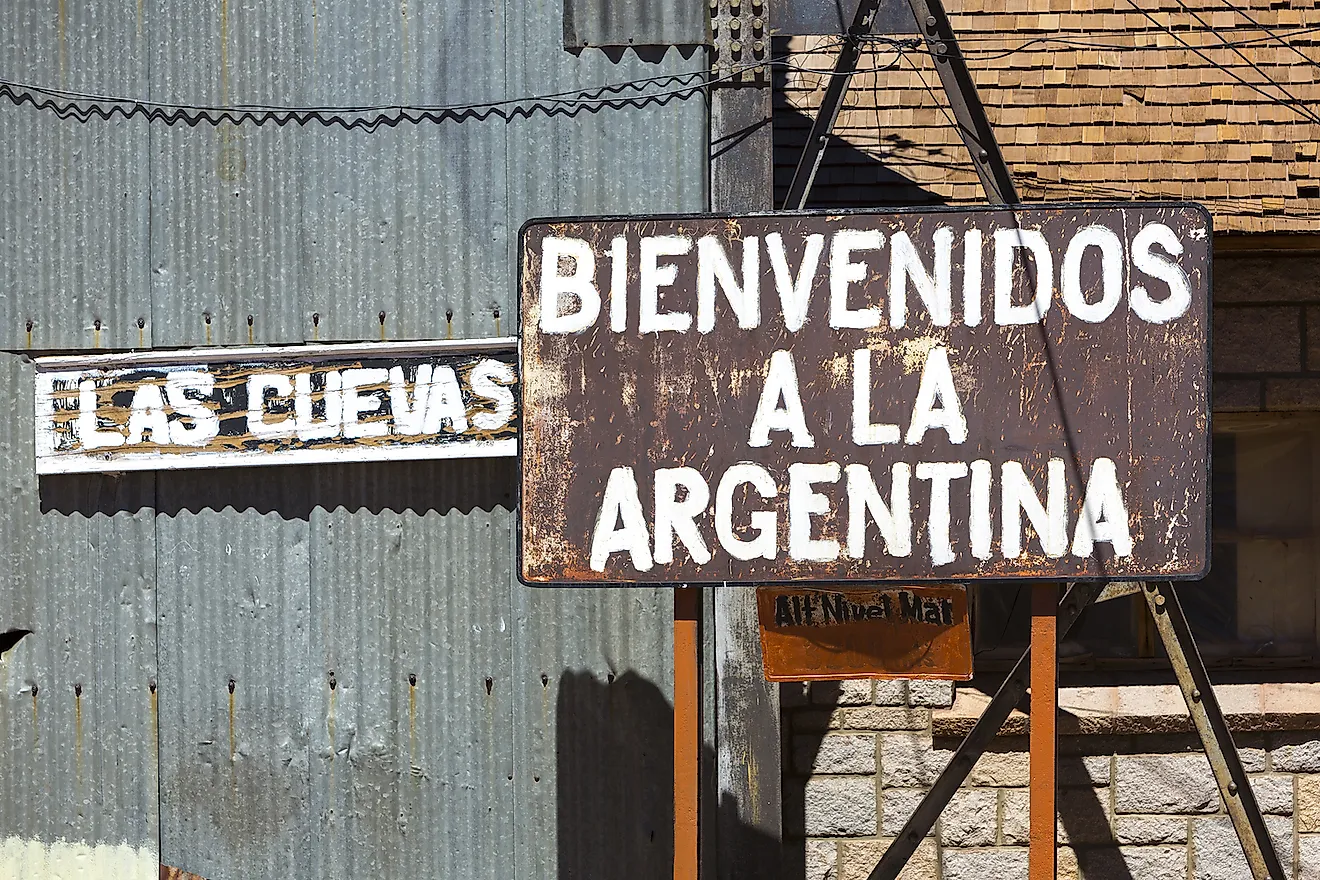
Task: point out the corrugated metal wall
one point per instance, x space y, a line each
311 671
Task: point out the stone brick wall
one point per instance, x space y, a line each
1266 332
1141 807
1136 806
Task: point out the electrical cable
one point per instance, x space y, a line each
1254 66
1301 111
613 96
1300 54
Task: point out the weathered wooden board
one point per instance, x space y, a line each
298 404
909 632
901 395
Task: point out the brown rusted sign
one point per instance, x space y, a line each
919 395
908 632
293 404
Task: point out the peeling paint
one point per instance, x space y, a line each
22 859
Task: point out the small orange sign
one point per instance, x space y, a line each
899 632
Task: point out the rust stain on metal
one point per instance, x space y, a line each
910 632
168 873
922 395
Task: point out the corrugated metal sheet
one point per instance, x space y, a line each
276 578
77 714
235 607
410 220
227 233
74 197
639 23
413 746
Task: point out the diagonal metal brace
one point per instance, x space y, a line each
973 125
1216 739
1010 693
830 105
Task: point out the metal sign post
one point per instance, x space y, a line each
1042 835
687 729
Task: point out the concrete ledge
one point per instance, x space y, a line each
1139 709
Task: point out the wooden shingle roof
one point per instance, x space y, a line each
1090 99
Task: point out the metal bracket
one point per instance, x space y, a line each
1208 718
1010 693
740 40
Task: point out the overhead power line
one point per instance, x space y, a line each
1293 104
1298 52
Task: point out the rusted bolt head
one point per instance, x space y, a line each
231 685
77 689
381 317
412 679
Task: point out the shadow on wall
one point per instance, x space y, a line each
291 491
615 762
852 178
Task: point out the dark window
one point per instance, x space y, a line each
1258 604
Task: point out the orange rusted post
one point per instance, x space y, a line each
687 729
1041 858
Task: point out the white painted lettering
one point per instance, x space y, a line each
311 428
675 518
444 403
654 275
863 432
1111 273
979 527
894 520
619 284
357 405
408 409
1175 305
781 384
937 387
257 386
794 293
1104 514
934 289
621 525
713 269
1007 244
147 414
973 244
89 432
195 423
580 284
764 523
491 379
844 272
1048 520
940 474
803 504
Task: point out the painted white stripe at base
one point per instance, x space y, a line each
28 859
156 461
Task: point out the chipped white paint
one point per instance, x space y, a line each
63 860
297 404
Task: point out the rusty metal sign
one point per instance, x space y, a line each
901 395
284 405
909 632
